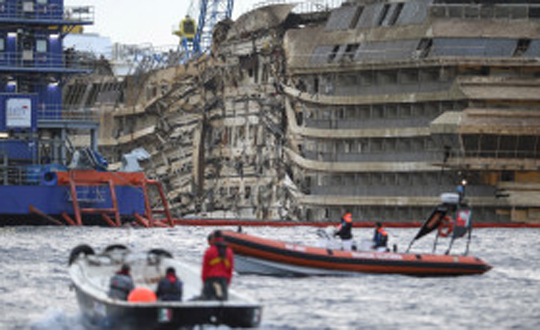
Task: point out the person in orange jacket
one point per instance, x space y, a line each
217 268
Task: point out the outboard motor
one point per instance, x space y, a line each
450 198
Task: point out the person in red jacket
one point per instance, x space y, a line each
218 265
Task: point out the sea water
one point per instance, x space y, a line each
35 286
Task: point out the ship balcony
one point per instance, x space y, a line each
51 113
32 61
499 160
29 12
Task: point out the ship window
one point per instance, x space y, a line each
384 12
391 111
356 17
405 110
41 46
377 112
521 47
350 80
2 43
42 2
366 78
534 12
395 14
341 113
350 51
424 47
408 76
364 112
333 54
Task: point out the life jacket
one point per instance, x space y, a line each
381 237
216 264
345 230
217 260
463 223
169 289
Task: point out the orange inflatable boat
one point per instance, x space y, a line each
255 255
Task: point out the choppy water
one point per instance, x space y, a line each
35 294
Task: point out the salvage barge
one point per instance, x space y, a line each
393 103
50 168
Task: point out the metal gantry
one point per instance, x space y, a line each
210 13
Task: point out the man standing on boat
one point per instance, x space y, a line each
121 284
218 265
344 231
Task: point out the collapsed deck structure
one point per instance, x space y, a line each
375 107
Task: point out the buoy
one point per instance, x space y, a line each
141 294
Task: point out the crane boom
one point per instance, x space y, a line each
210 13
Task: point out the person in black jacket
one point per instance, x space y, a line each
344 231
170 287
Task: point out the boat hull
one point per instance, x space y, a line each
268 257
107 315
16 203
91 273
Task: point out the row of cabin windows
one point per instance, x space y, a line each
382 111
403 76
325 83
39 2
371 145
423 49
321 83
381 179
386 15
246 193
41 45
234 136
502 146
486 11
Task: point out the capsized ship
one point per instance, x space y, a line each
375 106
50 170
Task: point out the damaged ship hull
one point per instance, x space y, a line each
391 104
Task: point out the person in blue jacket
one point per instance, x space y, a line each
380 237
121 284
170 287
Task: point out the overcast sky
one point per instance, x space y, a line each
143 21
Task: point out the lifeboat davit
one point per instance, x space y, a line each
256 255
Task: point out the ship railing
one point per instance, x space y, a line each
30 10
497 154
480 11
57 113
304 7
44 60
20 175
448 52
79 14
